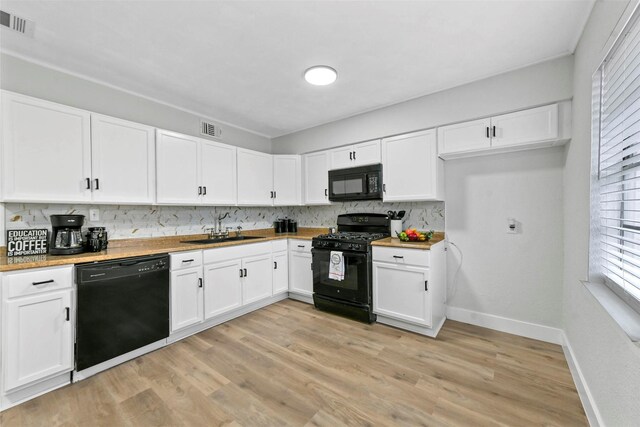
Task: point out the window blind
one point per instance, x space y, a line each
616 117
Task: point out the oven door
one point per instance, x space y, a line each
357 273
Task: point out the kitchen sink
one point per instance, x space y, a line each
223 239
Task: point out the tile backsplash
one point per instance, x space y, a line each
123 221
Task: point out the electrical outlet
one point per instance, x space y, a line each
94 214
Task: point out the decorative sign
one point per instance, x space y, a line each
27 242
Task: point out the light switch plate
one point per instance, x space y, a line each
94 214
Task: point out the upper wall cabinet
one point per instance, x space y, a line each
365 153
287 180
47 151
255 178
411 168
194 171
532 128
316 178
122 161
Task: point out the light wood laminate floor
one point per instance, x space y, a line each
288 364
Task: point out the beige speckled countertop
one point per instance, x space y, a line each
146 246
438 236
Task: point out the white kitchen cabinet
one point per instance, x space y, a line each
46 151
287 180
409 287
412 169
531 128
255 178
257 280
280 272
316 178
300 272
37 325
219 174
523 127
223 287
364 153
465 137
194 171
122 161
178 167
400 292
186 298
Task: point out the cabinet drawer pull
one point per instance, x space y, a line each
66 309
88 183
188 260
426 285
245 272
43 282
384 188
301 246
325 192
204 190
275 194
494 131
398 257
241 273
275 265
199 282
488 132
97 183
350 155
354 155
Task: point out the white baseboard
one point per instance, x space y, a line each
504 324
593 415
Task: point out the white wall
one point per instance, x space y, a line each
517 276
539 84
609 361
41 82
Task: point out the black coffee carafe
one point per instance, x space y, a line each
66 234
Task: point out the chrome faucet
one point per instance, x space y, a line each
220 218
216 232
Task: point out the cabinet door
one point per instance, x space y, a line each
400 292
467 136
122 160
186 298
300 274
38 338
255 178
177 168
257 283
222 287
342 157
218 163
366 153
287 180
411 167
47 151
316 178
280 272
522 127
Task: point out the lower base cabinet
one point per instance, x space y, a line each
223 287
186 298
280 272
409 287
257 280
300 269
37 326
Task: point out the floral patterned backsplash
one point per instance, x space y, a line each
124 222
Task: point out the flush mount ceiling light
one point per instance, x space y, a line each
320 75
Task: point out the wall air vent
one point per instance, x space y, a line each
210 129
15 23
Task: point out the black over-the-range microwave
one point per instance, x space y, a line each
359 183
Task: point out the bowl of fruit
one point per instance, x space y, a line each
413 235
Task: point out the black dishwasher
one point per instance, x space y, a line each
122 305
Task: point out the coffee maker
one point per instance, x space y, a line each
66 236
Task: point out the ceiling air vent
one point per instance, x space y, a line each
210 129
15 23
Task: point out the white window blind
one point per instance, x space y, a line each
616 116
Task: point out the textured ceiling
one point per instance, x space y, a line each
242 62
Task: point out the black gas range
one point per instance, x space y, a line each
350 294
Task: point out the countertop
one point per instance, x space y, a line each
397 243
126 248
